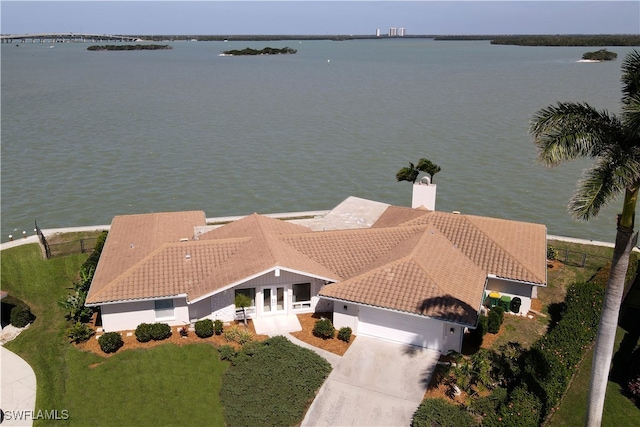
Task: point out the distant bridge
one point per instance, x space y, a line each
65 38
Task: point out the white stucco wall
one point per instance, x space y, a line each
127 316
424 194
345 315
513 289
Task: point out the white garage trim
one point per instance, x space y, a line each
401 327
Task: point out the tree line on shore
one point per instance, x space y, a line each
520 40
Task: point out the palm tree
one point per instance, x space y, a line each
243 301
408 173
427 166
568 131
411 172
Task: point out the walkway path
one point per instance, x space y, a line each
18 389
327 355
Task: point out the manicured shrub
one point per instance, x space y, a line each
495 320
160 331
204 328
438 412
344 334
21 316
476 335
324 329
7 305
217 326
143 332
80 332
552 253
110 342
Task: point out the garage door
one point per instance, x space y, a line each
398 327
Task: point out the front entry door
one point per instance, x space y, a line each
274 299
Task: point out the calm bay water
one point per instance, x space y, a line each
89 135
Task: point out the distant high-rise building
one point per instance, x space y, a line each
393 31
378 32
401 31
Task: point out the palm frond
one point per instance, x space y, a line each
408 173
570 130
616 170
630 76
631 116
596 189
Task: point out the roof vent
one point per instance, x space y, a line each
456 212
131 246
184 239
187 257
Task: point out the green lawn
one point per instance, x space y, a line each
40 284
618 410
161 386
165 385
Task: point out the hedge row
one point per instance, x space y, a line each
547 367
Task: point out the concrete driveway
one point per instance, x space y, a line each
375 383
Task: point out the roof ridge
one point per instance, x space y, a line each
509 253
416 249
128 271
265 236
191 243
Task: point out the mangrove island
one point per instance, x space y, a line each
600 55
265 51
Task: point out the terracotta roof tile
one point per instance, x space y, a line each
133 237
432 278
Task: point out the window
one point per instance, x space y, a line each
251 293
164 309
302 295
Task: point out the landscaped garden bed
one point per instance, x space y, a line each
334 345
131 342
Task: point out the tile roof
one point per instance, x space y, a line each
429 277
132 238
410 260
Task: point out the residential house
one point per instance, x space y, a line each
409 275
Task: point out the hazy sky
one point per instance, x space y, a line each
321 17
